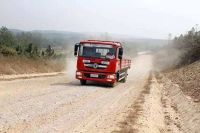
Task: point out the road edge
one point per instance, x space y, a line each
28 76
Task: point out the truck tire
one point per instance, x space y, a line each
83 82
125 77
112 84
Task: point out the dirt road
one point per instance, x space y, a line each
60 104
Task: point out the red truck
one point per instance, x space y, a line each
101 61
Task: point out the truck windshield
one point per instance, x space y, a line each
97 51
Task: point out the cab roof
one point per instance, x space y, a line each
114 43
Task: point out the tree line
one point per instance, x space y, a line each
189 43
24 44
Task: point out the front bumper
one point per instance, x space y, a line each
102 77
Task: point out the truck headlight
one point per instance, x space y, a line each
86 61
111 76
105 62
78 73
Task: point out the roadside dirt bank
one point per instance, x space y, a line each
22 65
188 78
68 71
184 105
182 85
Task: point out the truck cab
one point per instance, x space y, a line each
100 61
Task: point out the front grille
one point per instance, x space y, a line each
95 65
100 76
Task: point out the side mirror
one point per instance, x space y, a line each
76 49
120 54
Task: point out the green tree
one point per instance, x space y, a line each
42 53
19 49
29 48
35 51
49 51
190 44
6 37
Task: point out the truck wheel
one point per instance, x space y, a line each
112 84
124 79
83 82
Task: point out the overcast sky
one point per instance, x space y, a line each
140 18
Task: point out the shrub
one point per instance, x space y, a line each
7 51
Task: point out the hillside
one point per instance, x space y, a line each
188 78
182 88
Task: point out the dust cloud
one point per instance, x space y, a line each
70 68
167 58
